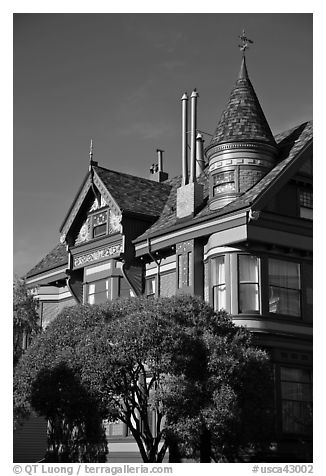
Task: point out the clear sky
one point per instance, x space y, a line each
119 78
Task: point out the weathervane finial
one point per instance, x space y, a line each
244 42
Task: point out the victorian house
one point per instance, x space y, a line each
235 228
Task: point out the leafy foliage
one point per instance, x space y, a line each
25 317
131 358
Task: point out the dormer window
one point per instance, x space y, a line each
223 182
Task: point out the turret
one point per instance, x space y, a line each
242 149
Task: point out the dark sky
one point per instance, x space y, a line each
118 78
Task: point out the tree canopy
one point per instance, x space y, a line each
171 369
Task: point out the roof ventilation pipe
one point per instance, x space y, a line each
193 131
200 160
184 100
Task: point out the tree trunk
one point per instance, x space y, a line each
174 454
205 446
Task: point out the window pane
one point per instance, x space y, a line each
223 177
284 301
248 298
99 230
189 274
219 297
150 286
218 271
284 274
248 268
305 198
179 271
100 297
98 291
91 288
224 187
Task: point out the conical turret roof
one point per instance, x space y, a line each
243 118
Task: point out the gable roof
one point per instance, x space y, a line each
132 194
243 117
290 144
135 194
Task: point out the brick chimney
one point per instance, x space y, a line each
156 170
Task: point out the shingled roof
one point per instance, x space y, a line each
135 194
290 143
243 117
57 257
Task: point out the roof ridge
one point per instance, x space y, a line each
130 175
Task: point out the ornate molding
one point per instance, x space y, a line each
245 161
257 146
106 195
106 252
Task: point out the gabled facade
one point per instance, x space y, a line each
235 229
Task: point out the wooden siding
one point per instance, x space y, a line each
168 284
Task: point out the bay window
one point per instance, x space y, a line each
284 287
218 282
98 291
249 300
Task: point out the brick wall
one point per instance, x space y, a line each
249 176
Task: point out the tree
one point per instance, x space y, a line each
25 317
139 357
229 414
47 380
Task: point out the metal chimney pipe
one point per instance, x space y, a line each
184 100
193 127
160 159
200 160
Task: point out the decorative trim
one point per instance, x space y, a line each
190 229
106 194
98 269
76 207
44 276
163 268
107 252
239 145
228 162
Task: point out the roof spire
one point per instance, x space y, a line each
91 153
